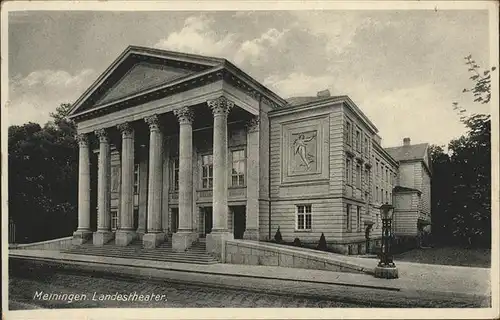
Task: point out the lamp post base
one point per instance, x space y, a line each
386 272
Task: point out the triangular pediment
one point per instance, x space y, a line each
138 70
142 76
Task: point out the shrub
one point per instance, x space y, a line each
322 243
277 237
296 242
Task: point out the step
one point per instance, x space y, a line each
156 258
196 254
170 259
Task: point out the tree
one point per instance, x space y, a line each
43 171
470 157
441 195
461 183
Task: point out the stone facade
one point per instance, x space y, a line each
189 146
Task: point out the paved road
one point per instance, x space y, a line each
25 292
198 290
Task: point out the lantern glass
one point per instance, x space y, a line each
386 211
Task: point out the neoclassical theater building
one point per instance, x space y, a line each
177 147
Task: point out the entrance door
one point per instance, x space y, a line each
239 221
174 220
136 219
208 220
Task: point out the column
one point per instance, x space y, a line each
252 176
184 237
216 239
83 232
155 234
143 191
103 233
165 208
126 233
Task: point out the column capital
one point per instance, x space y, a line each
220 105
125 129
102 134
252 125
82 139
184 115
153 122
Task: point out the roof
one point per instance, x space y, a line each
295 101
302 102
408 153
176 72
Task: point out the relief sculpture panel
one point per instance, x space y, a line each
304 150
304 157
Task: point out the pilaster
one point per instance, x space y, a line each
253 180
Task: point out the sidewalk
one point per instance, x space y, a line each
413 277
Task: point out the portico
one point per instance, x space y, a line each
186 94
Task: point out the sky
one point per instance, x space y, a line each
404 69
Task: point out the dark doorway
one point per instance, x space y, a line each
367 238
174 220
207 211
239 221
136 219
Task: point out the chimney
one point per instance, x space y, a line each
323 94
406 141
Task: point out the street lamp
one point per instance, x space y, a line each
386 267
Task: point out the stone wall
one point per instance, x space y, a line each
255 253
55 244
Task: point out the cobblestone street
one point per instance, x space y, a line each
23 289
28 283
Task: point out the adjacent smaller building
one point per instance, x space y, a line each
412 196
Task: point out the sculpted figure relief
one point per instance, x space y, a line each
300 148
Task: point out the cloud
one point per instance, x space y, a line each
340 28
34 97
197 37
299 84
423 113
255 49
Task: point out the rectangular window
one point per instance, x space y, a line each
136 178
377 194
376 220
348 132
175 173
304 217
390 197
382 195
366 146
382 172
378 169
347 170
348 217
238 169
114 220
358 176
207 171
387 175
358 217
367 178
387 197
366 196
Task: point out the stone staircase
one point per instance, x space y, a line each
196 254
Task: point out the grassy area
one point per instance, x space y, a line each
453 256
